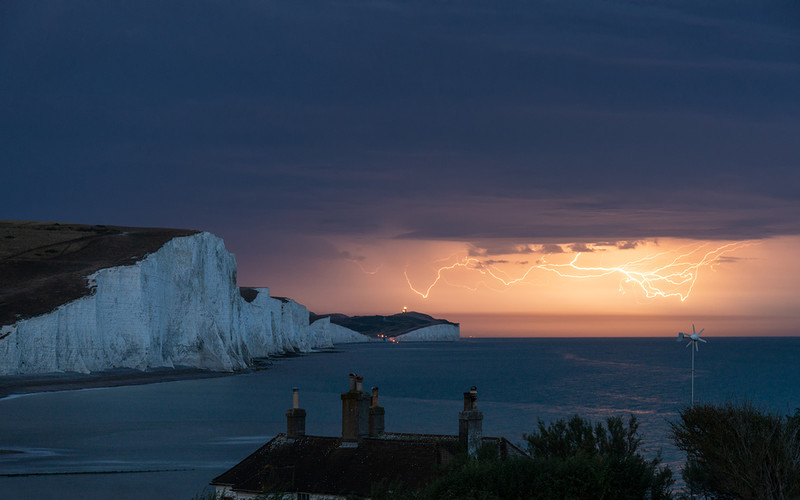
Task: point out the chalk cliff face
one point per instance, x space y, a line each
178 306
433 333
342 335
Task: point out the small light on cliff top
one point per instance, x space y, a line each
405 309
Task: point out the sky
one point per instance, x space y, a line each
546 168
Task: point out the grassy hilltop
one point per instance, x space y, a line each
45 264
390 326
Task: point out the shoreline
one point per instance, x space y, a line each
20 385
12 386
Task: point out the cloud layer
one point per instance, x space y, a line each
542 122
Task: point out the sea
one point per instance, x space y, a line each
168 440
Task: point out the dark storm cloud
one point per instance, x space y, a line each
551 248
485 248
350 256
727 259
621 245
692 214
521 121
492 262
580 247
483 264
627 245
482 249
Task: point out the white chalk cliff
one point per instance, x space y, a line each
179 306
433 333
342 335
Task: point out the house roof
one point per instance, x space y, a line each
317 464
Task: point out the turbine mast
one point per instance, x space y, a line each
694 340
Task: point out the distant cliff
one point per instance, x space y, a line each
433 333
406 326
176 306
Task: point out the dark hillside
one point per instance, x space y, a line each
390 326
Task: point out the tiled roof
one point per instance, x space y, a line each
316 464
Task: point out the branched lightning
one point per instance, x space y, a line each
675 278
363 270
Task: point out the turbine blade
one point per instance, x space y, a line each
701 340
701 331
690 343
693 330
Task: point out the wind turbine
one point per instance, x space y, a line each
694 338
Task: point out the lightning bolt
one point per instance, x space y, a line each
360 266
676 278
368 272
467 262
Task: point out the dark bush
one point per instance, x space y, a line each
569 459
738 451
585 461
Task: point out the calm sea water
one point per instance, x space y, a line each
170 439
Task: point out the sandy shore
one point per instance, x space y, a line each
27 384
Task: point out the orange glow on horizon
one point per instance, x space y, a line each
554 290
619 325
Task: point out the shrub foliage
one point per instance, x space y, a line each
570 459
738 451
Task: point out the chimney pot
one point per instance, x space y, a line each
471 399
374 397
359 383
376 415
295 418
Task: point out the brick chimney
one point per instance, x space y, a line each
376 415
355 412
470 422
295 418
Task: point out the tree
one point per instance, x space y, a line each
738 451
